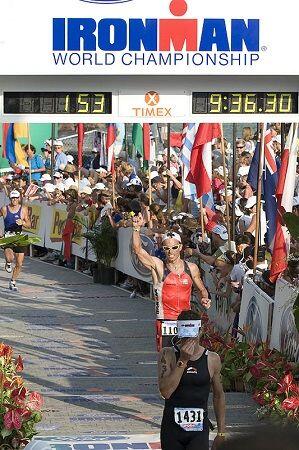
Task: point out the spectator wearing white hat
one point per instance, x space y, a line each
70 159
58 177
247 222
276 144
45 178
96 159
60 156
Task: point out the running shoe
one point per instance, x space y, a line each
8 267
12 286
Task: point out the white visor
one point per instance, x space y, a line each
14 194
171 235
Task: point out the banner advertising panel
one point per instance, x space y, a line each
56 218
256 312
126 260
285 336
220 313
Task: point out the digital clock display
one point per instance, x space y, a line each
244 102
57 102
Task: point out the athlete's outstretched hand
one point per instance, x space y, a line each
187 349
137 221
206 302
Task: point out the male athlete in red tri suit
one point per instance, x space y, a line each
173 281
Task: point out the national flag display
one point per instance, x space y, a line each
80 130
269 182
189 133
284 195
110 142
200 173
12 149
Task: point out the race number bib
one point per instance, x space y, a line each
190 419
169 327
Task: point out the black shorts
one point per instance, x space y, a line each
17 248
174 438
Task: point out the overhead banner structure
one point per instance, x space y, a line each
135 37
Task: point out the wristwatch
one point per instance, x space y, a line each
221 434
181 363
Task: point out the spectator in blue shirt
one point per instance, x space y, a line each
35 163
46 158
60 158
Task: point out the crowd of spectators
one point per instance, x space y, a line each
158 195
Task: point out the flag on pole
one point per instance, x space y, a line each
200 173
284 194
12 149
110 141
176 139
80 129
269 182
147 142
189 133
143 141
252 177
137 138
270 179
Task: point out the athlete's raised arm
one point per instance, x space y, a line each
147 260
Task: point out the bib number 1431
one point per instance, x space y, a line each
190 419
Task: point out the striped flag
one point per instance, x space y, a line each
284 194
270 180
189 133
200 172
12 149
110 141
143 141
80 129
31 190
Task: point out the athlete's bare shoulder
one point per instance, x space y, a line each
193 268
214 358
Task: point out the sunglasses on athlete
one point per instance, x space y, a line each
174 247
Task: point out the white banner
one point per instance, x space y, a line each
135 37
285 336
220 312
256 312
126 260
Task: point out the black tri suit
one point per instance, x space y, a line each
185 423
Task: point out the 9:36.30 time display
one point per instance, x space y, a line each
245 103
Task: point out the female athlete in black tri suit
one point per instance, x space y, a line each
186 373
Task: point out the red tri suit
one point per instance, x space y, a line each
172 295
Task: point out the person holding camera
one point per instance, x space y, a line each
186 373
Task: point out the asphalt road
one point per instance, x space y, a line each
90 350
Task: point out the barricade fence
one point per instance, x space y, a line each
265 318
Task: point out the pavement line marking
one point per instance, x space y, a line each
106 377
